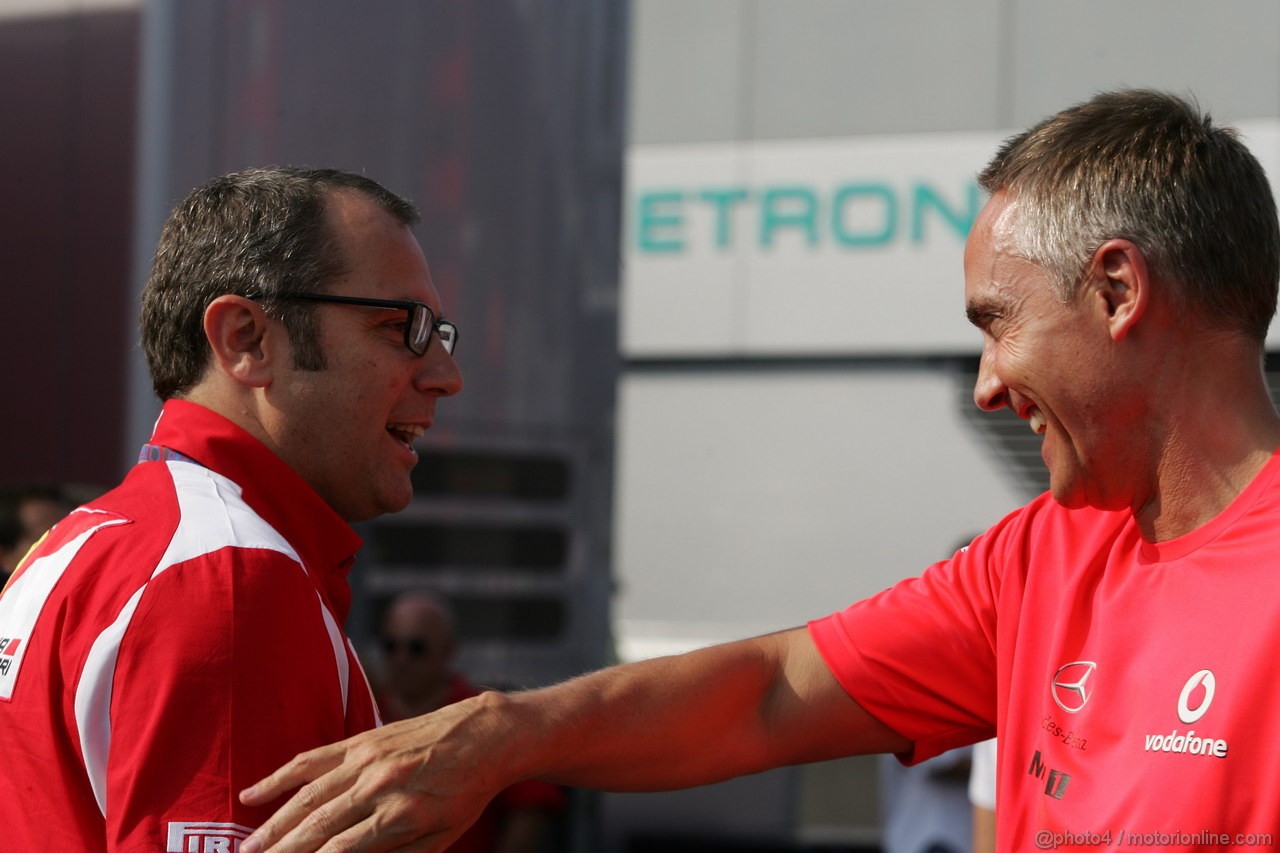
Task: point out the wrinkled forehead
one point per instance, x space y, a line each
996 270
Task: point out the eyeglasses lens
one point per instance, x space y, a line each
420 329
448 334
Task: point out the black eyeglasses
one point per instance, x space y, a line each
417 332
414 647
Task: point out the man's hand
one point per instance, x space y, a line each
412 785
654 725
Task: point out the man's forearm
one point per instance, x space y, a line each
659 724
691 719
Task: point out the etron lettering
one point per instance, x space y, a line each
1055 781
187 837
1197 692
848 216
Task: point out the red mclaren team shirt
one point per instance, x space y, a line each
1133 685
170 643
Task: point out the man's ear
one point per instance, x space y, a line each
1122 285
242 338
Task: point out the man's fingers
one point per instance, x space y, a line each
306 823
301 770
377 834
311 816
318 831
371 794
396 827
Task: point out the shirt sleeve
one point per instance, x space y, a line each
920 656
226 670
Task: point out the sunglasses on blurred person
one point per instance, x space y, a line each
414 647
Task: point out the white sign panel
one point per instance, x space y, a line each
809 247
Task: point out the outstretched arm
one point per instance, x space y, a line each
666 723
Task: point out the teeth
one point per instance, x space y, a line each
1037 421
408 433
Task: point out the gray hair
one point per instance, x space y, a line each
1147 167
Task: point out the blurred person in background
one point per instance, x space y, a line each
27 513
419 647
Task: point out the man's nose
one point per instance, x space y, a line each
988 391
438 372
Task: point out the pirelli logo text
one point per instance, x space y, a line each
205 837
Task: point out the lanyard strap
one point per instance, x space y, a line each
160 453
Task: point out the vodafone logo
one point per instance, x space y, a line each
1199 690
1073 685
1193 703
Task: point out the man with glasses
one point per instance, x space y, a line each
173 640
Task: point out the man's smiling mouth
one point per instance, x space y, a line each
1037 421
406 434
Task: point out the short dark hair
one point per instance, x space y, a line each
1148 167
260 233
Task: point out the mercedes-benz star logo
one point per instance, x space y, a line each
1071 685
